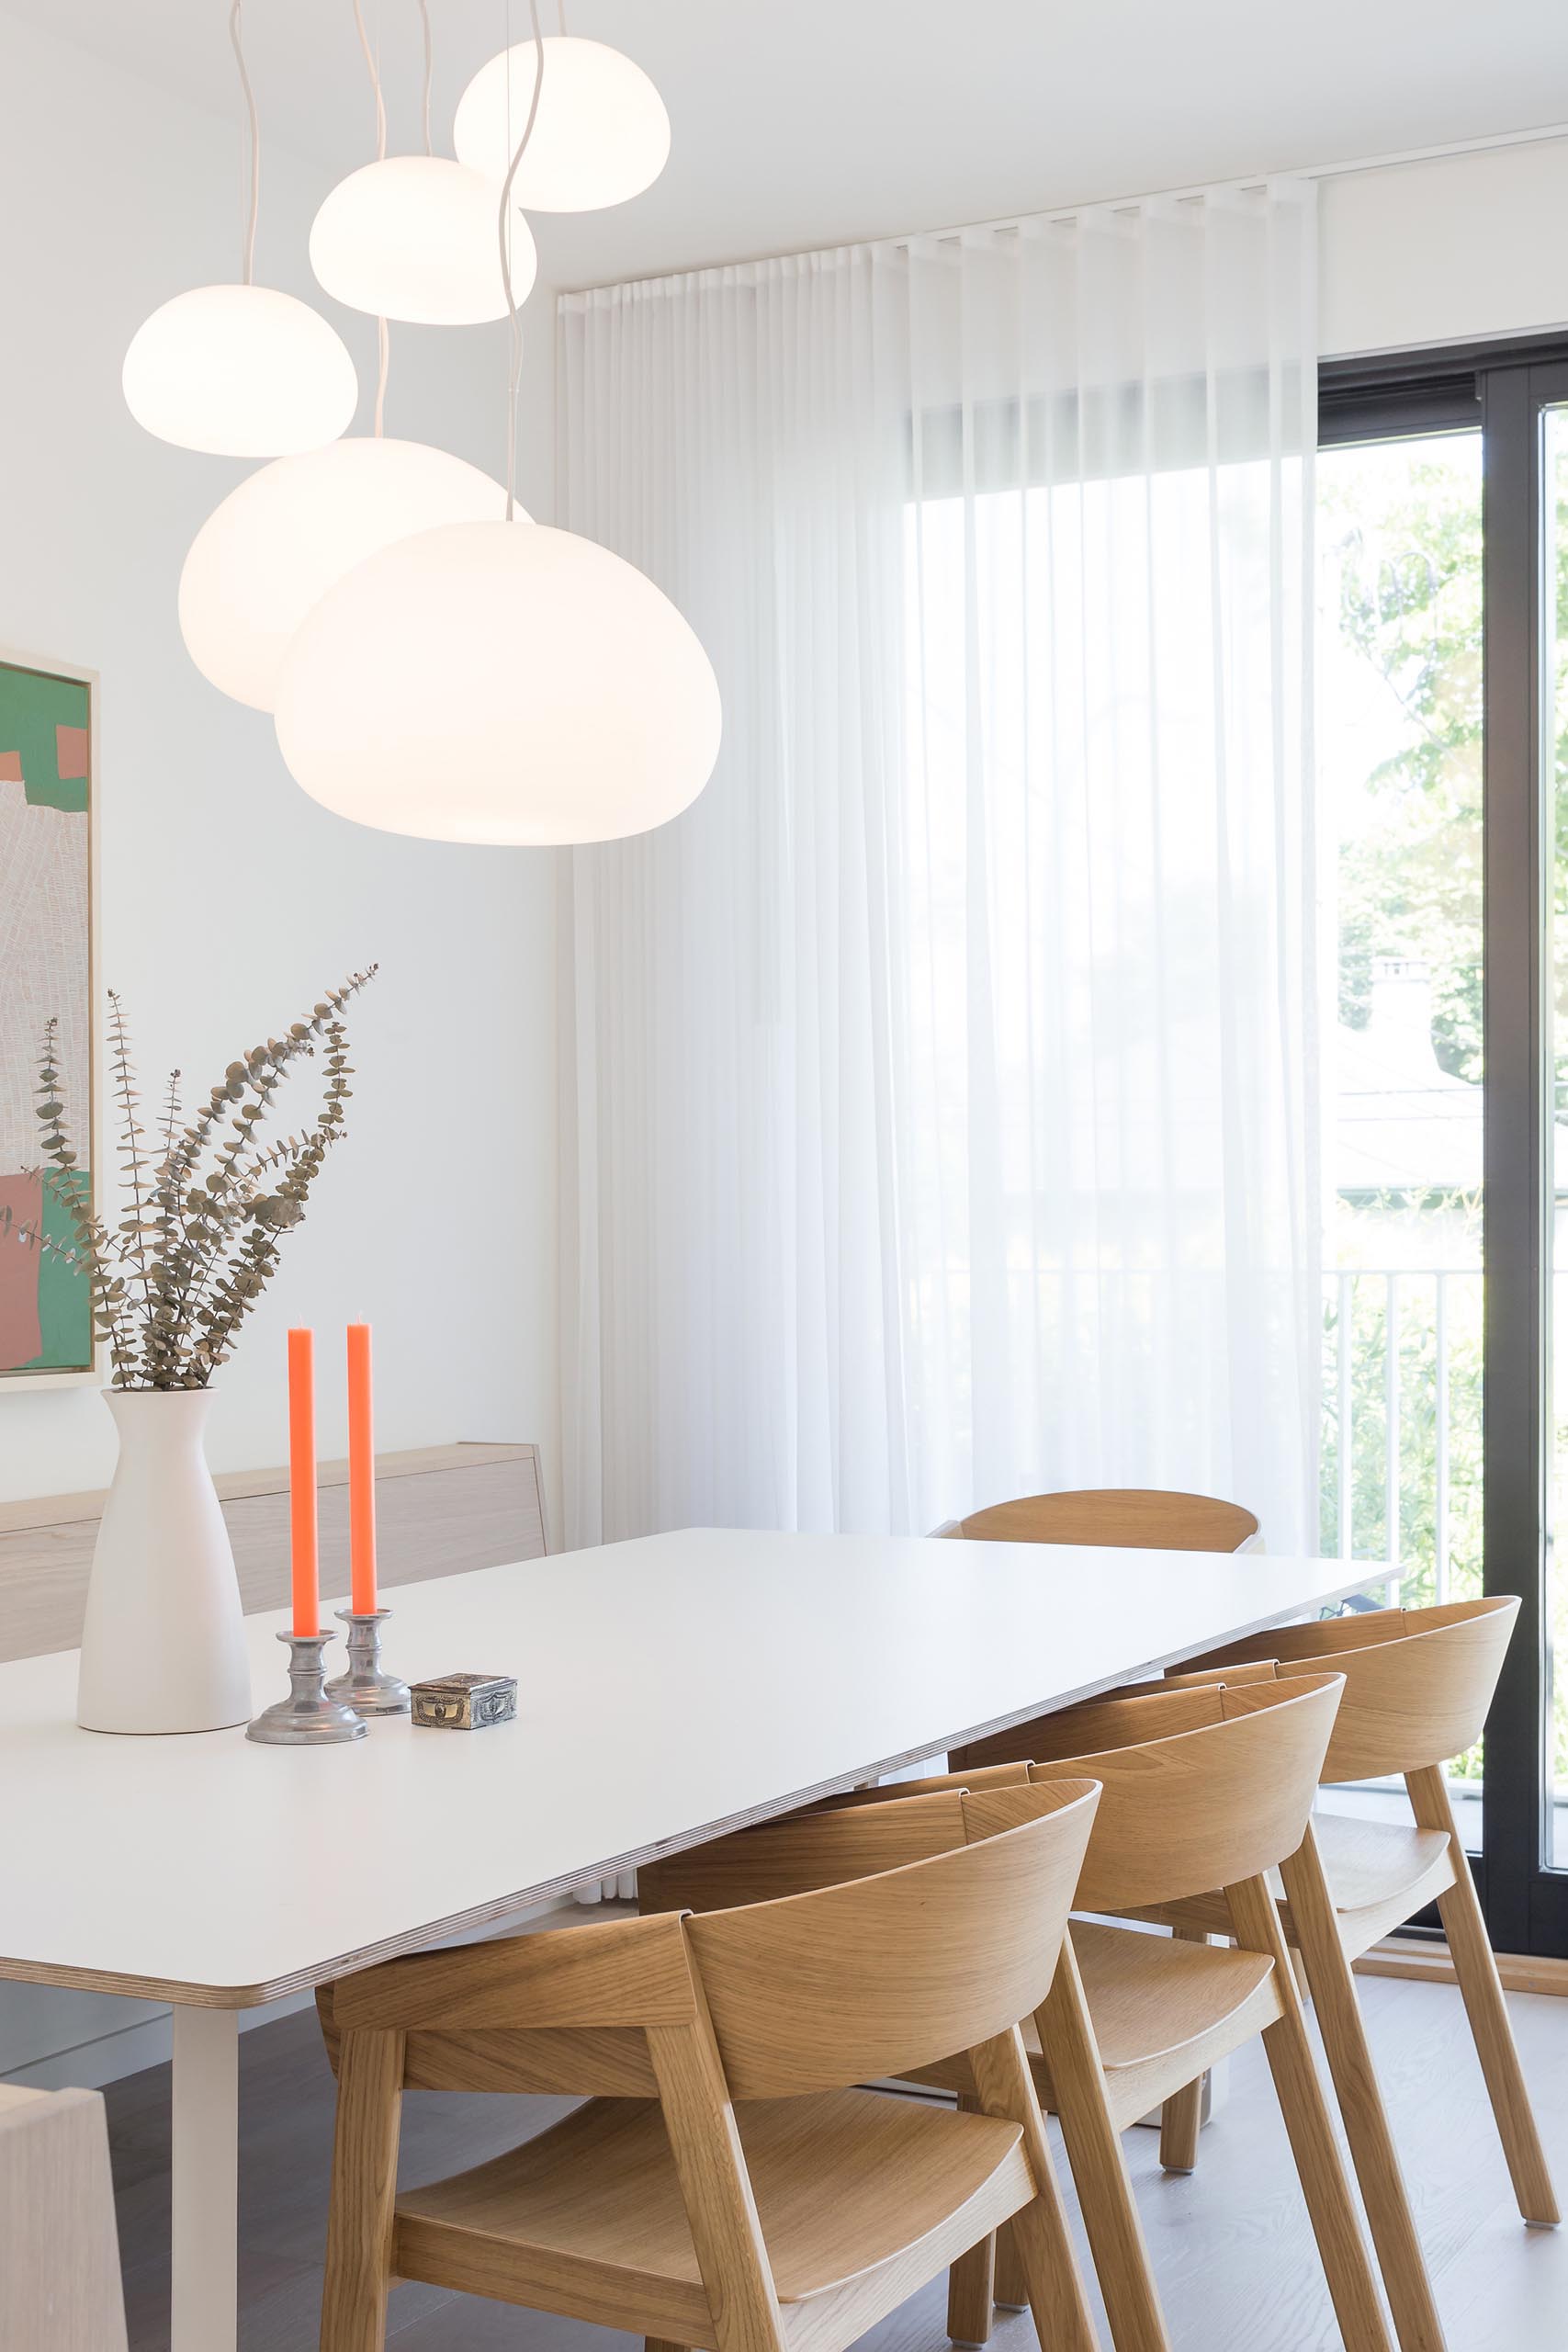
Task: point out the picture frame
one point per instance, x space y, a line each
41 698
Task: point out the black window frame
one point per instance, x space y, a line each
1501 388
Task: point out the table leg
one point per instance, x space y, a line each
204 2287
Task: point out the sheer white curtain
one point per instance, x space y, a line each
939 1102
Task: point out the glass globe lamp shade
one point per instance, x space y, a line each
415 237
601 133
483 682
239 371
276 545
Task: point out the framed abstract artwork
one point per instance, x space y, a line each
48 959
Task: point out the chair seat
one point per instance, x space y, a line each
588 2219
1368 1862
1150 1997
1380 1873
1162 2012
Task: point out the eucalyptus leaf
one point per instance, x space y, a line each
195 1244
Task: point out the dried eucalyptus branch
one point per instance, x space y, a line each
71 1186
133 1143
172 1284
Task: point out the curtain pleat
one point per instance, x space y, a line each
939 1102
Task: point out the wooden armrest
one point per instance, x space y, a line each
623 1972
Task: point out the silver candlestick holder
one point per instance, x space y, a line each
309 1717
367 1687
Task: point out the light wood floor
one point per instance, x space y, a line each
1230 2245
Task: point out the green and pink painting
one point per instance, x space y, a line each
45 973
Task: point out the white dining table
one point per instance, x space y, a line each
668 1688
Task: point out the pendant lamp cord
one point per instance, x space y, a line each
383 352
248 247
429 63
514 371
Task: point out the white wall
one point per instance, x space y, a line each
1444 252
228 900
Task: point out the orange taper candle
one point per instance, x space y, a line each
302 1479
361 1474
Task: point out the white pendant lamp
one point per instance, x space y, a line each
414 237
487 683
482 682
602 135
239 371
274 546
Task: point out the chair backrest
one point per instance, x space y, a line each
1013 1774
1417 1681
1072 1731
944 1932
1182 1677
1145 1517
806 1851
887 1973
795 1854
1201 1788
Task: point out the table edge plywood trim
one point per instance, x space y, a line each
234 1486
194 1994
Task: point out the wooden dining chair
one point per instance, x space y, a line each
1146 1517
1418 1683
1198 1785
1157 1518
726 2186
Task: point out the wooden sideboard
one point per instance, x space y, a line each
440 1510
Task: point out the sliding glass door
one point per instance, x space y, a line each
1443 603
1526 1152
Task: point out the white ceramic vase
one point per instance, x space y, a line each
164 1646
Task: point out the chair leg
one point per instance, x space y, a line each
1009 2292
363 2189
1040 2234
1372 2150
1182 2113
1180 2119
659 2344
969 2295
1100 2167
1470 1950
1341 2248
705 2146
969 2279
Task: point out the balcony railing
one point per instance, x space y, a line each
1401 1423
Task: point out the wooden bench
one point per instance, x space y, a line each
59 2288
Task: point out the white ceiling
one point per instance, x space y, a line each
823 120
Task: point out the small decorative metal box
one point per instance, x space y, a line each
465 1701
